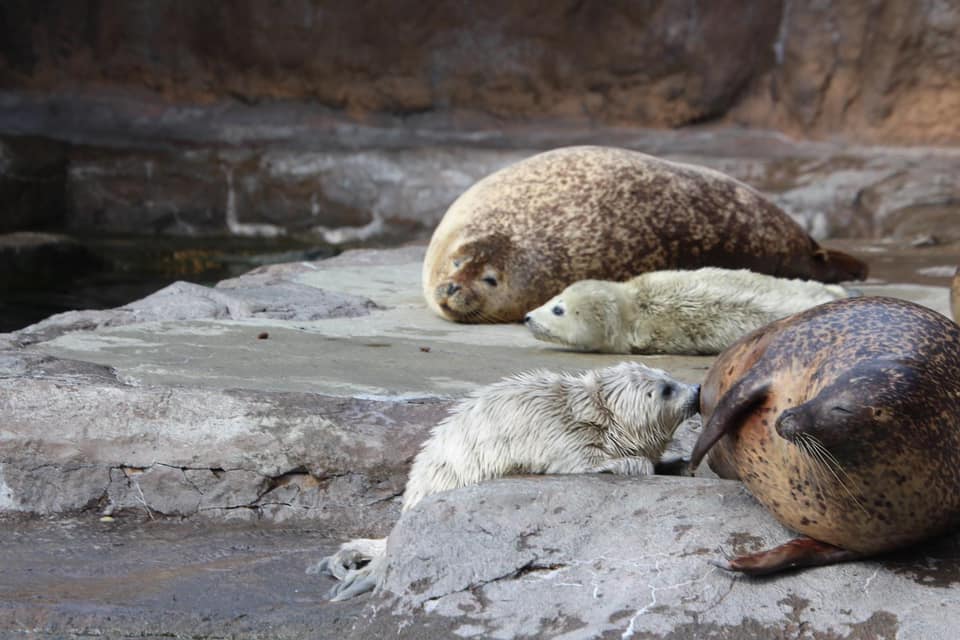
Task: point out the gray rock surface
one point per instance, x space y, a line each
587 557
258 404
349 194
319 173
80 578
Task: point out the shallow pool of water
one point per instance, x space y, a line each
135 267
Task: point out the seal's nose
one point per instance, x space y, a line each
452 288
526 319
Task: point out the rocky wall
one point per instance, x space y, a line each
873 70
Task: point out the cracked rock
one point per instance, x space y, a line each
598 556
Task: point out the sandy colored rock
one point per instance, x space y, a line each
882 71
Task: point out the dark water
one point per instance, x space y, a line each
134 267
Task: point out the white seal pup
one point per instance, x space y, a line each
678 312
617 420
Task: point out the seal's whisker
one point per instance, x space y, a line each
815 463
834 467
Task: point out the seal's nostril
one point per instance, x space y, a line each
452 288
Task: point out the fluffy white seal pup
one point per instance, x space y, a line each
678 312
617 420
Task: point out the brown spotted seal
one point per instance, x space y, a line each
519 236
702 311
618 419
844 421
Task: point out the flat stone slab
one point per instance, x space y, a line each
594 556
71 578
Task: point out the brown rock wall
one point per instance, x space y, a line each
875 70
655 63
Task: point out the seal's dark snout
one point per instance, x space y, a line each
792 423
526 319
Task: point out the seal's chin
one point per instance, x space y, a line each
459 304
458 315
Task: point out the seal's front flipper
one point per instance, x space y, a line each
733 407
800 552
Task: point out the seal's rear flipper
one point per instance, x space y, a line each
733 407
800 552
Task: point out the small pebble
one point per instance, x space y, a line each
106 519
263 336
425 349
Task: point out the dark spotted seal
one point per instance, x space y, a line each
519 236
844 421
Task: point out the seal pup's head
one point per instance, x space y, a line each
640 406
585 316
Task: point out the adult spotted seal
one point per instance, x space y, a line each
519 236
844 421
681 312
618 419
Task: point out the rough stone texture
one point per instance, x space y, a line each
80 578
595 557
347 195
882 70
180 451
200 438
873 69
342 196
236 299
32 182
659 63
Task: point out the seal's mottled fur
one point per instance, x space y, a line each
519 236
679 312
844 421
618 419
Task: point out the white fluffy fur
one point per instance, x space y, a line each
679 312
617 419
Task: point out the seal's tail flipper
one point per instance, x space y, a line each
800 552
837 266
729 414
